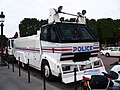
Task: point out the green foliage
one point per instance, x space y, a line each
4 40
108 30
29 26
72 20
92 24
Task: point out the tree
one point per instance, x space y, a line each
106 30
72 20
4 40
117 28
93 25
29 27
16 35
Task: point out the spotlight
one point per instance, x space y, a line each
83 12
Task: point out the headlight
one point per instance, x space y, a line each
66 68
69 68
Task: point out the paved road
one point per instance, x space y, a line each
14 82
107 61
11 81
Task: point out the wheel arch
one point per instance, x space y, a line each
107 54
52 66
43 60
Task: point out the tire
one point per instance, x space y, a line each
48 75
107 54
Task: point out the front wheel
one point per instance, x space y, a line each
107 54
46 71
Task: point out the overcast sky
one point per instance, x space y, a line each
16 10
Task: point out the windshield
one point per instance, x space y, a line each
74 33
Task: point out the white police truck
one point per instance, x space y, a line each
61 46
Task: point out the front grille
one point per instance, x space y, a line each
76 57
67 56
81 56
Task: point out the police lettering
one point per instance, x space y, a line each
82 49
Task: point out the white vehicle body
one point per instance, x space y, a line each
106 50
61 56
115 52
57 56
10 48
111 51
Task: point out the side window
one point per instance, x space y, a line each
44 34
48 33
53 37
119 49
115 49
111 48
106 48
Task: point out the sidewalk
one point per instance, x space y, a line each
11 81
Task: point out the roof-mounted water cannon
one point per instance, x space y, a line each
81 18
54 15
